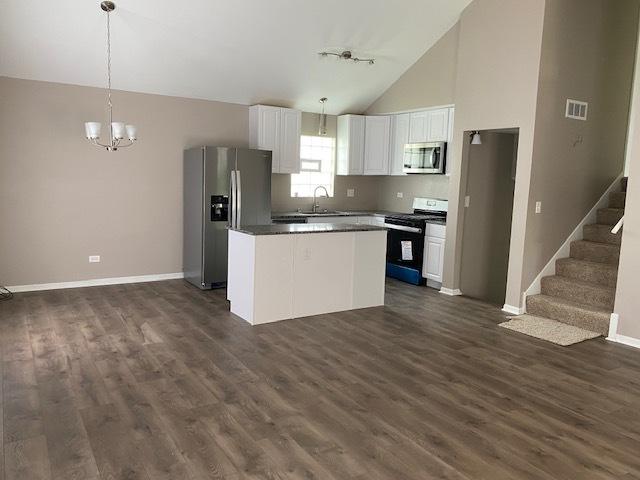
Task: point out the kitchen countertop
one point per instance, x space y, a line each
301 228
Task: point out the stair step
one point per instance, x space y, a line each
572 313
617 199
624 183
585 271
601 234
578 291
609 216
595 252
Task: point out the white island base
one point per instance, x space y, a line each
276 277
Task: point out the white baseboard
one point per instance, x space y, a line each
629 341
511 310
96 282
451 292
577 234
613 325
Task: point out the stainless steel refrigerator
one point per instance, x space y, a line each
223 187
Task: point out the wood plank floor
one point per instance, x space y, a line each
158 381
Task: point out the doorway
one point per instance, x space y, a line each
488 210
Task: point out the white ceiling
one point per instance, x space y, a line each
241 51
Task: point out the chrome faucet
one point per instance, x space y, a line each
316 205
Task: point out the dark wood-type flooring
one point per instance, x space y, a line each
158 381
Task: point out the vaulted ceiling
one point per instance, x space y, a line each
240 51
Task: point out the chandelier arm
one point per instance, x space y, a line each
125 145
98 144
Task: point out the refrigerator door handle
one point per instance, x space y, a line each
239 201
232 191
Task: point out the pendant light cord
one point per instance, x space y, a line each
109 76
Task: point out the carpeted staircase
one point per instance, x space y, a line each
582 292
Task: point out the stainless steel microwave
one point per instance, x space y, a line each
425 157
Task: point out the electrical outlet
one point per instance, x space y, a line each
467 201
400 195
94 259
351 192
538 207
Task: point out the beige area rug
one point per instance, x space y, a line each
549 330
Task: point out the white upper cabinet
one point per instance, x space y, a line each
419 127
376 145
438 125
290 128
399 138
351 134
278 130
429 126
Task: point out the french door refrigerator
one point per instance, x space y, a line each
223 188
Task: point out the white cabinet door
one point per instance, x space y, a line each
264 131
399 138
438 125
376 145
350 156
419 127
433 264
290 128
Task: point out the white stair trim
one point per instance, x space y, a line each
511 310
95 282
564 251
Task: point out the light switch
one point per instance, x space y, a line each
94 259
351 192
467 201
538 207
400 195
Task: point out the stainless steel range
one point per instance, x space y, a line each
406 238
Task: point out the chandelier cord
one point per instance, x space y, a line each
109 76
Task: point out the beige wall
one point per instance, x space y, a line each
496 88
627 303
588 51
366 188
430 82
62 199
487 220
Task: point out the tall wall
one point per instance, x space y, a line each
430 82
588 52
62 199
627 303
496 88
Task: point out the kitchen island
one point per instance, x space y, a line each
278 272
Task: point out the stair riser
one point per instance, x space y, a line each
588 295
617 199
600 234
601 274
609 217
596 252
593 321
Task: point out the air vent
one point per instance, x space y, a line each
577 110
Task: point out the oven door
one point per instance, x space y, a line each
424 158
405 246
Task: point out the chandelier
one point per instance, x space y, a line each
117 130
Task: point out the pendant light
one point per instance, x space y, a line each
117 130
322 127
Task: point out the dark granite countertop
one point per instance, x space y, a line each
301 228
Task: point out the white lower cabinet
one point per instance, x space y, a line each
433 264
